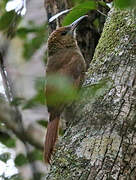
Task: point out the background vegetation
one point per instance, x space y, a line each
32 37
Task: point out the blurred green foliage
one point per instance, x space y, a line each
64 91
39 98
21 160
32 35
2 5
122 4
61 90
35 155
43 122
95 90
78 11
82 7
6 19
33 38
17 101
7 140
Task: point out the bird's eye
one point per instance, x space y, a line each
63 33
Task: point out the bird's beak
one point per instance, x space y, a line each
76 22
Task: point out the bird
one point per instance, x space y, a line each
65 61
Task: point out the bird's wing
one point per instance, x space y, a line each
69 65
66 63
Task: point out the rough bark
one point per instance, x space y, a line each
99 142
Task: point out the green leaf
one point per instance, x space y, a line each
7 140
39 36
79 11
17 101
61 132
39 98
6 19
96 90
33 102
61 90
122 4
22 32
3 5
40 83
9 21
21 160
31 28
5 156
32 45
43 122
35 155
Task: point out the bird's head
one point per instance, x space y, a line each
63 37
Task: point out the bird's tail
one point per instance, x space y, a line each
51 137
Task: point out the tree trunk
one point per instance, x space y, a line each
100 140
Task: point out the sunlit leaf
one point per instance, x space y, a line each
78 11
21 160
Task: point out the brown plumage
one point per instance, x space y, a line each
65 60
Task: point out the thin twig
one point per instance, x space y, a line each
4 78
18 115
102 13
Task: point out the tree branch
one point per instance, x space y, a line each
8 116
12 116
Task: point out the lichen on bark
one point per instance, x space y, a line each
118 25
99 142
